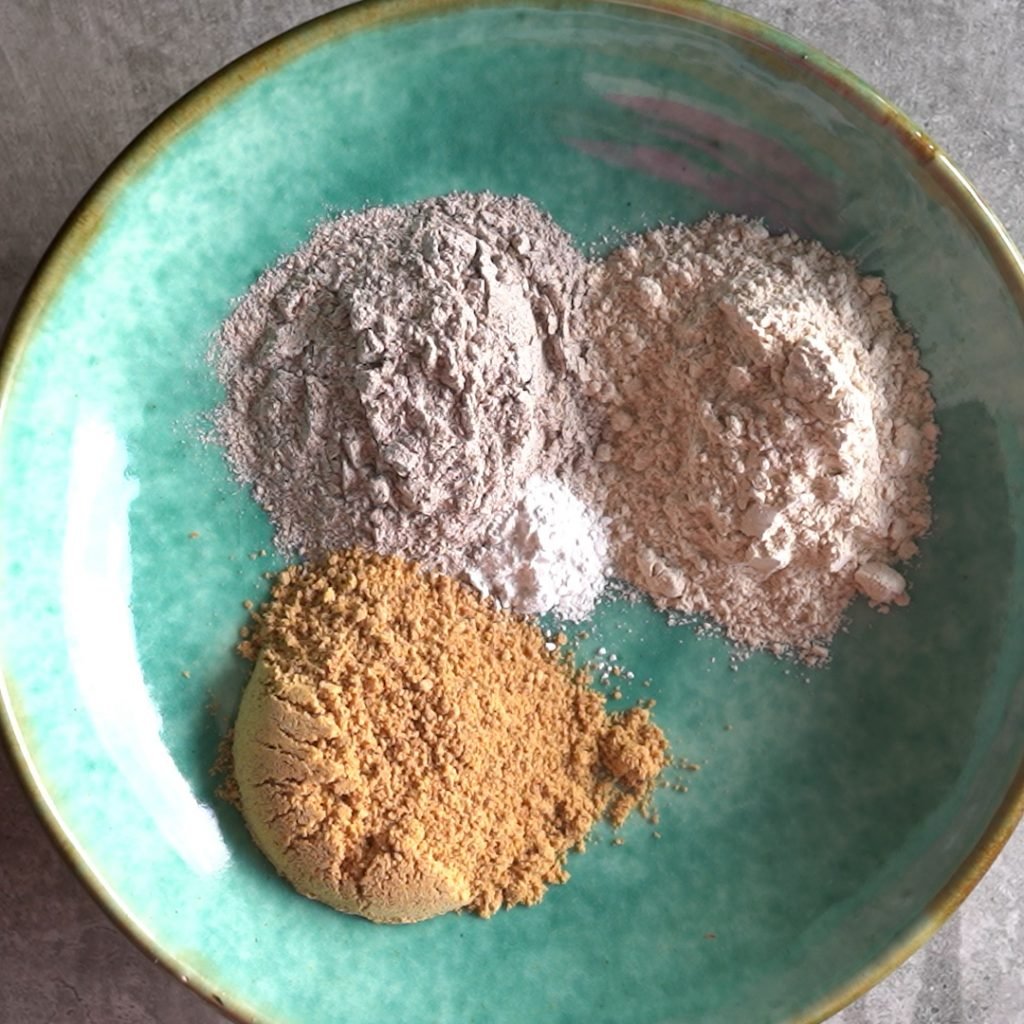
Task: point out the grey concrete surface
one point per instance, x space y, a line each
79 78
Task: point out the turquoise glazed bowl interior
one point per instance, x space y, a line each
842 813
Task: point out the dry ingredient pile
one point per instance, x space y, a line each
767 429
396 381
405 749
734 422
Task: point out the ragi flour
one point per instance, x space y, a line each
396 381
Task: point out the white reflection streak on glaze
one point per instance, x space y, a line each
96 595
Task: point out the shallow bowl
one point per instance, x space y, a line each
844 811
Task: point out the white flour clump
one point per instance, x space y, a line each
396 381
766 433
550 553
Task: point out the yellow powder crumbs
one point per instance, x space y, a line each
404 748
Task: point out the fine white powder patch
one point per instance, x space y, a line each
550 553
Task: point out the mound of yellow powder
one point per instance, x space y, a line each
404 749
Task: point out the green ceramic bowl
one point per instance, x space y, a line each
846 810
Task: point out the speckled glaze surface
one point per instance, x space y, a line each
844 811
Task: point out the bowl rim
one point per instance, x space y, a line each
86 220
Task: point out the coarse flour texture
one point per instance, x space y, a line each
405 749
395 382
734 422
766 430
